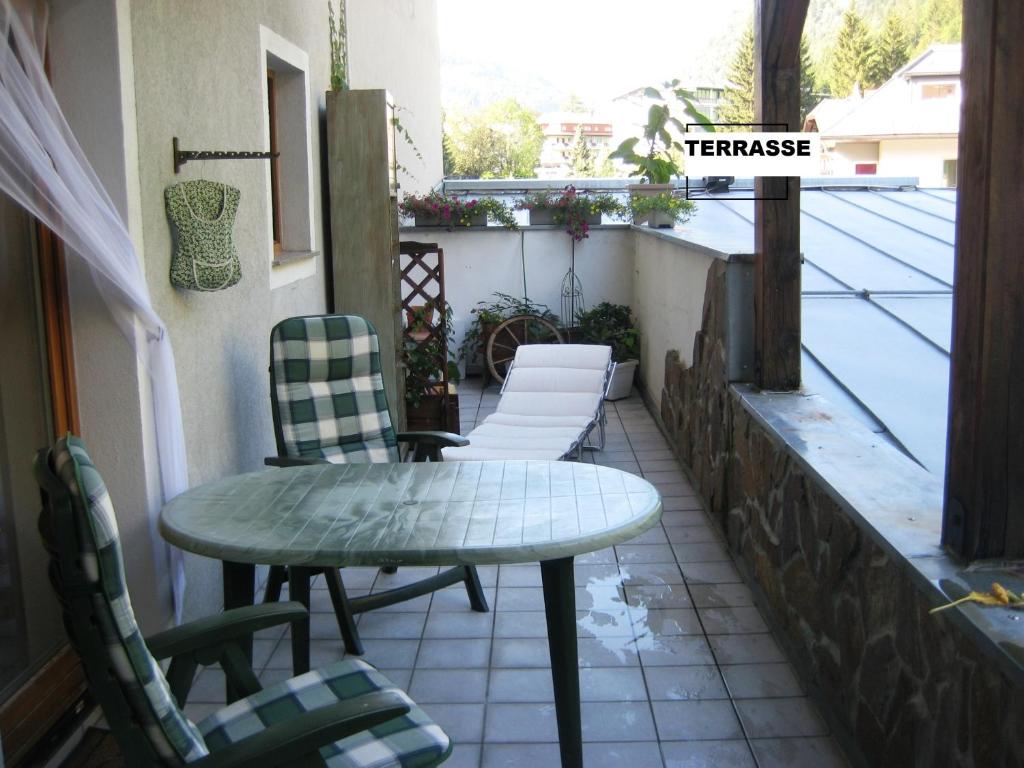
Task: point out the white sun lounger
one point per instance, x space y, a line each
553 397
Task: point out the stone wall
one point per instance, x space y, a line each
908 688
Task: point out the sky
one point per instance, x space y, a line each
596 48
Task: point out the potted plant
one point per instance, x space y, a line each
659 164
662 210
612 325
427 359
437 210
576 212
488 315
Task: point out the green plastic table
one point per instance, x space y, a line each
460 513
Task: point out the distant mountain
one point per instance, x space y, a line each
468 85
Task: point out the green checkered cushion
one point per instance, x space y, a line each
328 390
409 741
142 682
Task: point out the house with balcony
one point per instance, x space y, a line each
831 444
560 130
907 126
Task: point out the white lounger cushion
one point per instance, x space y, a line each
585 380
552 397
591 356
550 403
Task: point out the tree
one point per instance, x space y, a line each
809 97
501 140
892 48
581 156
852 56
574 104
940 21
738 100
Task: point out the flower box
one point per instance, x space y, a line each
433 413
546 217
476 220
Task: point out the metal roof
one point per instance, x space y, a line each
877 303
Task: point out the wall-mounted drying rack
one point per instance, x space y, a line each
182 156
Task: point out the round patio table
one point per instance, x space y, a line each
422 514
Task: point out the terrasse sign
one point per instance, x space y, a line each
748 155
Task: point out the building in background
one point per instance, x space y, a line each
559 130
907 127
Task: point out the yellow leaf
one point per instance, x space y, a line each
999 593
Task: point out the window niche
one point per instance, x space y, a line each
286 118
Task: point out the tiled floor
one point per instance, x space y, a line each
677 666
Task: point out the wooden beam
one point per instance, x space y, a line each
984 510
778 25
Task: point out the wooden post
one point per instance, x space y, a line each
984 509
778 25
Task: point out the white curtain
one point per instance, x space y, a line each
43 169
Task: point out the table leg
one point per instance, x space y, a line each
298 589
239 591
560 610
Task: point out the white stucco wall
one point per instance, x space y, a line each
477 264
133 75
923 158
668 300
842 159
394 45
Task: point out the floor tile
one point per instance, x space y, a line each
520 624
605 622
682 503
520 685
519 755
599 597
607 652
520 722
402 577
732 621
817 752
700 533
519 576
464 756
395 625
448 686
674 651
721 595
707 552
596 573
659 465
696 720
711 573
455 599
521 652
665 622
745 649
650 574
772 718
655 535
617 721
458 625
707 754
618 754
660 596
462 722
682 517
753 681
615 684
644 553
685 683
450 653
520 598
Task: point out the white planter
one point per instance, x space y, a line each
622 380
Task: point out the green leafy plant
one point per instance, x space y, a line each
424 359
659 164
679 208
338 29
454 212
611 324
489 314
571 208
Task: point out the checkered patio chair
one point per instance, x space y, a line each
328 402
347 715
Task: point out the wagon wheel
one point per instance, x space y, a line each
513 333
